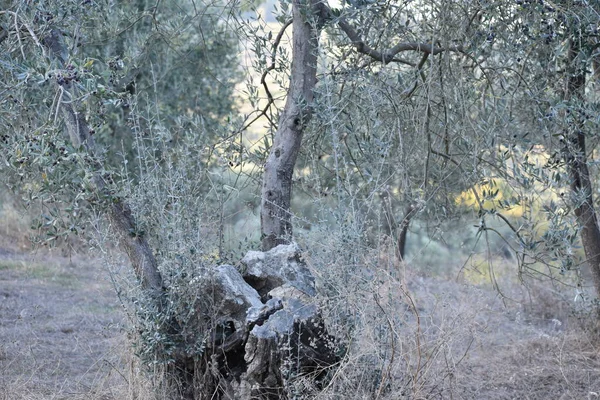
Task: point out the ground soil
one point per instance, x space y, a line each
61 329
63 336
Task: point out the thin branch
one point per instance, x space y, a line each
263 81
388 372
409 92
17 17
19 36
477 198
273 57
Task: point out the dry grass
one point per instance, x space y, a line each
414 335
61 330
17 235
406 334
14 226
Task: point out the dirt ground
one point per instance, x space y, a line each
61 329
63 336
531 346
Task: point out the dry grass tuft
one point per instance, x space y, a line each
408 334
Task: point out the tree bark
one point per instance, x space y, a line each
124 225
576 160
275 217
403 230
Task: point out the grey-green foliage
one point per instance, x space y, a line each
175 62
155 86
178 59
137 67
421 131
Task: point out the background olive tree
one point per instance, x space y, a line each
536 101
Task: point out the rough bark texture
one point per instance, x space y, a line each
276 226
269 330
576 160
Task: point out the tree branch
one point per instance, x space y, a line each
3 34
387 56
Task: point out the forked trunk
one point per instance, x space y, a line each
240 361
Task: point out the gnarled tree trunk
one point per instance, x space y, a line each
124 225
268 329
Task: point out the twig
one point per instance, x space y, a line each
4 34
417 336
392 345
520 255
18 35
263 77
59 102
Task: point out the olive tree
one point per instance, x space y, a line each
536 66
68 100
393 105
414 123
